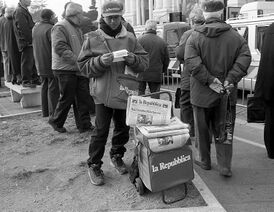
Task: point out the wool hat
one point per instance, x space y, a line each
73 9
111 8
212 6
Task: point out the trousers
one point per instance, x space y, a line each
99 136
207 125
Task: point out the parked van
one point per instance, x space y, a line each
252 27
170 32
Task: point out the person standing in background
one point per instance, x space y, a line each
12 48
4 46
217 57
41 38
264 88
67 40
23 24
186 112
158 59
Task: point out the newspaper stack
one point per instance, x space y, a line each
147 111
164 137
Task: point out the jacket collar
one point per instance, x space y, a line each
123 33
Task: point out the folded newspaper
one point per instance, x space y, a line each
147 111
175 124
119 55
165 137
161 144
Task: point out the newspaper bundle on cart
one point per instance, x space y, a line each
147 111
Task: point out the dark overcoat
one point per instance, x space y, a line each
12 48
264 87
158 56
41 34
23 24
215 50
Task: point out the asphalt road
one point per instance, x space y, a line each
252 184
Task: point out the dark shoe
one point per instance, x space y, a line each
28 85
96 175
226 172
36 82
118 163
202 165
56 128
88 129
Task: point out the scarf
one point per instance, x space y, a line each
106 28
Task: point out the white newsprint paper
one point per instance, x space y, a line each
147 111
175 124
119 55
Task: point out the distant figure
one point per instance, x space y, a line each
41 34
67 40
12 48
217 58
96 61
4 46
186 113
158 59
264 88
23 24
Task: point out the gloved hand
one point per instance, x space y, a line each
216 86
130 59
228 86
106 59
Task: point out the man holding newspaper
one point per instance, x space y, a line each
100 61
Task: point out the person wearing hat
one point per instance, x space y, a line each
196 19
67 40
217 57
96 60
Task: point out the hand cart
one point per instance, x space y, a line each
159 171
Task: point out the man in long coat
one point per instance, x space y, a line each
217 57
12 48
41 34
158 59
264 88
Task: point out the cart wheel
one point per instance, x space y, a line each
139 186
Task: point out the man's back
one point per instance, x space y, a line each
158 55
223 54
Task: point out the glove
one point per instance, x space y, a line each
106 59
130 59
228 87
216 86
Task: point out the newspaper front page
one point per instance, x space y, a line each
147 111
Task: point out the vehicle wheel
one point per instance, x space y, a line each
139 186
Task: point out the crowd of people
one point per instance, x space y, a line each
79 71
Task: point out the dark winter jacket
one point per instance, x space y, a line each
3 46
180 52
11 47
158 56
41 34
105 87
67 40
215 50
23 25
264 86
